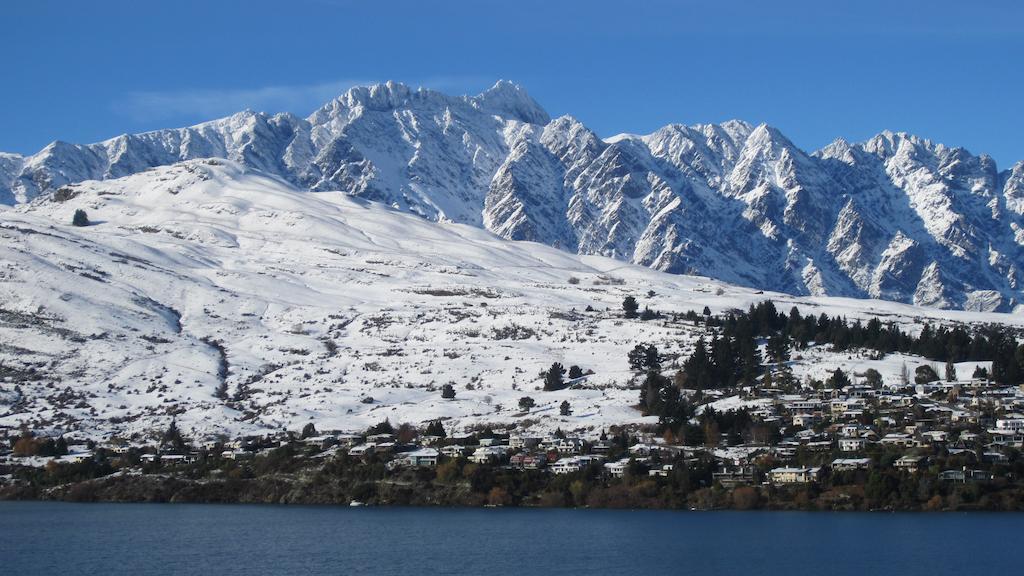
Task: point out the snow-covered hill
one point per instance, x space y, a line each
896 217
323 307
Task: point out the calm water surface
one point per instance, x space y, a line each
148 539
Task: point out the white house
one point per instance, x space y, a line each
662 471
570 445
422 458
909 462
519 442
804 419
1015 424
362 450
487 454
794 475
897 439
852 444
573 464
617 469
454 451
841 464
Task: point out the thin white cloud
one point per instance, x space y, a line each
212 103
300 99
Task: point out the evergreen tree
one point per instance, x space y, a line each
637 357
384 427
448 392
553 377
575 372
644 357
778 347
950 371
173 438
308 431
750 361
698 368
660 397
564 409
435 428
838 380
80 218
525 403
652 358
630 306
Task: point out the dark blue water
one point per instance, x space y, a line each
147 539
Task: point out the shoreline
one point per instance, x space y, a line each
499 509
410 493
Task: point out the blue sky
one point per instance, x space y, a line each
949 71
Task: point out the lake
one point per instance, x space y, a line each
146 539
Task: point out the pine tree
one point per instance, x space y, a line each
447 392
636 357
698 368
308 431
950 371
173 438
652 358
778 348
564 409
553 377
630 306
575 372
525 403
644 357
838 380
435 428
80 218
384 427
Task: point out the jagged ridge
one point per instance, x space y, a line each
897 217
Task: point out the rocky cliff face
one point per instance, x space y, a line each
896 217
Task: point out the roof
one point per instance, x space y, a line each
851 461
422 453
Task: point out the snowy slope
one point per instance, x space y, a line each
318 302
897 217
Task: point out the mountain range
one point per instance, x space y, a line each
897 217
231 302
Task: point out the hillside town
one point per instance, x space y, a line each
939 433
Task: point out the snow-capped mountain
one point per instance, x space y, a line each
897 217
233 302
